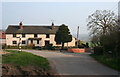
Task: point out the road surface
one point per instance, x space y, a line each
74 63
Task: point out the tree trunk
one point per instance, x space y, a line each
62 45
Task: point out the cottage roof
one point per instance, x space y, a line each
27 29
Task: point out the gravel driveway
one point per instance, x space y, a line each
74 63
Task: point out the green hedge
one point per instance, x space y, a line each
48 47
16 47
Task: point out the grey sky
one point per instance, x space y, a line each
72 14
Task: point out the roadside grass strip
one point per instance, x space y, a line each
24 59
108 61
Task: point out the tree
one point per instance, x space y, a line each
101 22
105 30
87 45
63 35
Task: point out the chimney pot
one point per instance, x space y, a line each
52 25
21 25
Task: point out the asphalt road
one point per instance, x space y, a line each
74 64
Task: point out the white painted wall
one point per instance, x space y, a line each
10 39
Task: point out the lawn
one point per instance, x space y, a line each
108 61
25 59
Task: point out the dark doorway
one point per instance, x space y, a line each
47 43
31 41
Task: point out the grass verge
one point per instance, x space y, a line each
24 59
107 60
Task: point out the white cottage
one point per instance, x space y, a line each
37 35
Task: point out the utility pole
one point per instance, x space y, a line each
77 35
19 44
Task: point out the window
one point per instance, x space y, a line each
31 41
47 36
14 35
35 35
58 43
23 42
37 41
14 42
47 43
23 35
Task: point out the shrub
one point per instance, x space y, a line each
80 46
49 47
74 47
87 45
57 47
37 47
65 48
12 47
3 46
24 47
30 46
98 50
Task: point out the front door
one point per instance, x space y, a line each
47 43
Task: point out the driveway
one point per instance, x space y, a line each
74 63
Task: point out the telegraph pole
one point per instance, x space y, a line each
77 35
19 44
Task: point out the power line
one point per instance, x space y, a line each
114 6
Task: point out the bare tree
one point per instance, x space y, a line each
102 22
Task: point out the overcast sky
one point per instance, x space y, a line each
72 14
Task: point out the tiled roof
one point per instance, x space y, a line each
31 29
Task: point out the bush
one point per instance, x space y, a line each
24 47
80 46
12 47
57 47
98 50
30 46
65 48
87 45
16 47
74 47
37 47
49 47
4 46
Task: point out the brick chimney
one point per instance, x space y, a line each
52 25
21 25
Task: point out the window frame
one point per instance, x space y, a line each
47 35
38 42
35 35
14 35
58 43
23 35
14 41
47 42
23 41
